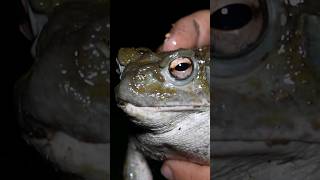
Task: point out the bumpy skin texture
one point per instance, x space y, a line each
63 101
48 6
266 99
173 114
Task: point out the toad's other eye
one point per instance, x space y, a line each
231 17
236 27
181 68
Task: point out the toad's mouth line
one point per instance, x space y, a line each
238 148
167 108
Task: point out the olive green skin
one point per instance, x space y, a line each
63 100
280 89
173 113
48 6
268 98
146 80
71 69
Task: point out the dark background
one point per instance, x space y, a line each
139 23
17 159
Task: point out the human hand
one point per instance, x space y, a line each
188 32
181 170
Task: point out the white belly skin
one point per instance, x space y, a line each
176 132
188 140
88 160
173 133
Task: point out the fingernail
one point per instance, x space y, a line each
166 172
167 35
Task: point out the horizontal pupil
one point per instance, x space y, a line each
231 17
182 67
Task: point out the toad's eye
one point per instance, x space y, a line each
236 26
231 17
181 68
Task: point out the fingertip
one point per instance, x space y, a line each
189 32
170 44
181 170
181 36
166 171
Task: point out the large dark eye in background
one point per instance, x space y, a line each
236 26
181 68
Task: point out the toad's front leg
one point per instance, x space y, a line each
136 166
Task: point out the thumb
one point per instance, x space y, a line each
189 32
181 170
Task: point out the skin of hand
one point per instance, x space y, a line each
188 32
182 170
